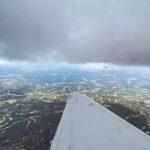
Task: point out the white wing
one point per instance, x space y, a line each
86 125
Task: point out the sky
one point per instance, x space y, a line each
75 31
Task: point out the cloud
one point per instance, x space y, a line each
77 31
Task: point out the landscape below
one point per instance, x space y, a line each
32 101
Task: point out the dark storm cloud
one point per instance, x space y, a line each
76 31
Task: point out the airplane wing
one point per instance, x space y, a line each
87 125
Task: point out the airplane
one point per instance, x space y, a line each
87 125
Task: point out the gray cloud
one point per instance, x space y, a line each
77 31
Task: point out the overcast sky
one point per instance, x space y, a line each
75 31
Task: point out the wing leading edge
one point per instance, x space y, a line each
87 125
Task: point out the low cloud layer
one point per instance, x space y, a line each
76 31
